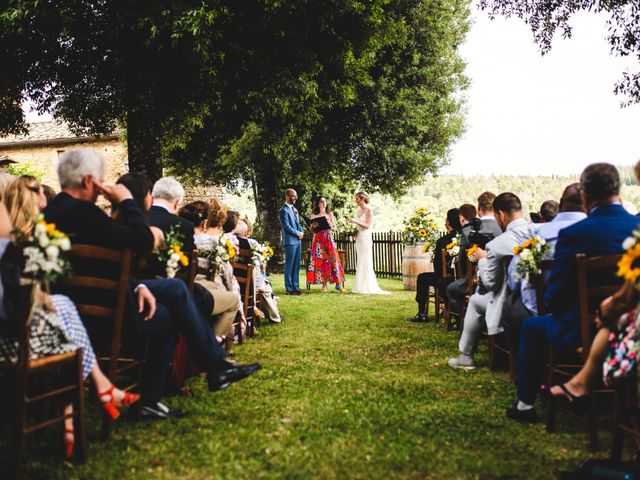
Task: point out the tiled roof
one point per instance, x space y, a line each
42 132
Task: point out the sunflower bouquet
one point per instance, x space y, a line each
453 248
420 229
260 253
530 254
628 266
44 253
171 254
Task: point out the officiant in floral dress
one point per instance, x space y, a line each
324 262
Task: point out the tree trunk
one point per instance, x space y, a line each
268 200
143 144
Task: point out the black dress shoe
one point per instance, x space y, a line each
522 416
222 379
419 318
159 411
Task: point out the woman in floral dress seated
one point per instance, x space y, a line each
324 261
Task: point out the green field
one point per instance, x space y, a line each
349 389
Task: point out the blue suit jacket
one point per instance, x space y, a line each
601 233
290 225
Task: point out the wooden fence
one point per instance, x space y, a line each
387 252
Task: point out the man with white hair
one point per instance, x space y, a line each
167 196
162 308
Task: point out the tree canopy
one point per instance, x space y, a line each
545 18
273 93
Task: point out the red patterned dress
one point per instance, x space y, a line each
324 262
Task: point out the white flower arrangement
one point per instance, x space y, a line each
220 251
171 253
260 253
530 253
44 253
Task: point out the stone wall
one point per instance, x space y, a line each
44 158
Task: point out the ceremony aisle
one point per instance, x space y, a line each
349 389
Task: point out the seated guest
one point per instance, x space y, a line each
56 326
166 305
601 233
486 304
5 179
536 217
167 195
140 187
458 289
522 303
264 290
549 210
224 286
49 193
428 279
197 213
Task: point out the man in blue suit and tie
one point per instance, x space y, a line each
601 233
292 242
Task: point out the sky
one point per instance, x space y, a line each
529 114
533 114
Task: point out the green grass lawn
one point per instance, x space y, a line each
349 389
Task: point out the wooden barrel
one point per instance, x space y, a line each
414 262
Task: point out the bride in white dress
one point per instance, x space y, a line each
365 276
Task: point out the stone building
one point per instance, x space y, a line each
47 141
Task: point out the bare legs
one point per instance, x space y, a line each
581 383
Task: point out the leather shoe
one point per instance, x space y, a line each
159 411
297 292
419 318
522 416
222 379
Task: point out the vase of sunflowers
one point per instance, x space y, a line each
419 236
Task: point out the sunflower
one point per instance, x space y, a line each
422 232
426 247
451 245
626 269
472 250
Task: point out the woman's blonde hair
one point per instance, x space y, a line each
21 200
363 196
217 213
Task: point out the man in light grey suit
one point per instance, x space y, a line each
458 288
487 307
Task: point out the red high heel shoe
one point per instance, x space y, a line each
68 444
110 405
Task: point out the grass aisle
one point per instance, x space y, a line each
349 389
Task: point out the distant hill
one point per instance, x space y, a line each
438 194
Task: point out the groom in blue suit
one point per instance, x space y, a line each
292 242
601 233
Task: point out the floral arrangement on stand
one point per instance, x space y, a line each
260 253
420 228
530 254
171 253
44 253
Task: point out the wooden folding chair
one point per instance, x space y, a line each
472 270
100 292
590 295
498 343
25 369
188 275
243 271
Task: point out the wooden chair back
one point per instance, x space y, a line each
243 271
188 275
71 385
100 295
445 264
591 294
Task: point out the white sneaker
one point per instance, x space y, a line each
463 362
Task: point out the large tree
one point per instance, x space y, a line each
547 17
271 93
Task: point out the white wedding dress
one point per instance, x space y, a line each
365 276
